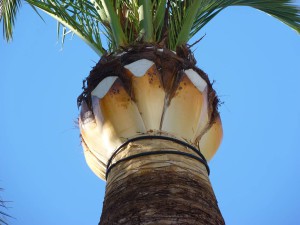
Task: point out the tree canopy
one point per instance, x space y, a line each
125 22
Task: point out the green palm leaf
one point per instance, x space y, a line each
284 10
114 22
126 22
79 17
145 17
8 11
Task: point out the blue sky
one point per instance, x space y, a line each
255 62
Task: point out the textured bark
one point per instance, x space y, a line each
159 189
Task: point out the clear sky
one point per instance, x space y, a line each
255 61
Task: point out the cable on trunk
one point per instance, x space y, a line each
201 157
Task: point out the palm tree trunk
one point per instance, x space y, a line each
158 187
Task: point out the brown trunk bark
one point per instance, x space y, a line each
160 189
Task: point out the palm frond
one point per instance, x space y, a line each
146 21
79 16
284 10
3 215
159 8
8 12
126 22
114 22
190 13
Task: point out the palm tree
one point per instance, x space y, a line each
149 120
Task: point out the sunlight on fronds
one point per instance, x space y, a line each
8 11
126 22
78 16
284 10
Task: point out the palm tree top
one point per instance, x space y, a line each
127 22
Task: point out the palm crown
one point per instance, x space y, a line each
126 22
